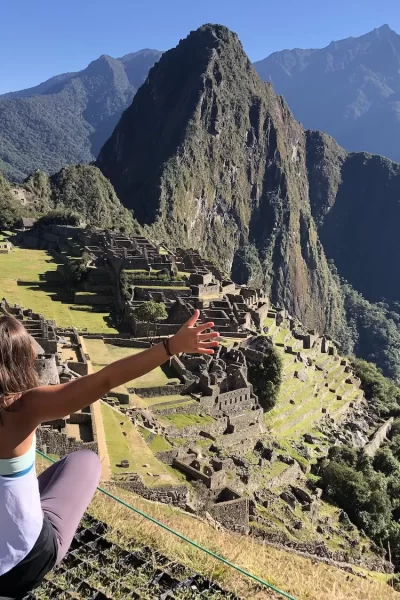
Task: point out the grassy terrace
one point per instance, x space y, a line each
133 447
102 354
292 419
182 420
20 283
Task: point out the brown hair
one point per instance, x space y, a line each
17 361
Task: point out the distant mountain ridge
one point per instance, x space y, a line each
67 118
350 89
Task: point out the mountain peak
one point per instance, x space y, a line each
208 155
99 64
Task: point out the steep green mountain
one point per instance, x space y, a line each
209 156
355 202
350 89
82 189
66 119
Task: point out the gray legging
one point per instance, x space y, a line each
66 489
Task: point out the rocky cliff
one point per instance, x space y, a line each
209 156
355 201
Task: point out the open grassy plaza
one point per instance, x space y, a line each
22 282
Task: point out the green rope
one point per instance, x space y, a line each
185 539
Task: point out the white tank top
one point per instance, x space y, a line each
21 516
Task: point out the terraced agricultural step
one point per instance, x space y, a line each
98 569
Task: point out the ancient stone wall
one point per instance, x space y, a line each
154 392
142 329
51 441
187 409
233 515
157 283
46 368
126 343
176 495
192 432
378 438
167 456
93 299
289 476
143 293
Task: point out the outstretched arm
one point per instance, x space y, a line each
54 402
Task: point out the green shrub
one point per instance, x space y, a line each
385 462
380 392
60 216
266 378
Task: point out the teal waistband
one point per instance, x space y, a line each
20 465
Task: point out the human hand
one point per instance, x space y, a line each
192 339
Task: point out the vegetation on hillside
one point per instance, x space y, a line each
246 267
79 194
375 331
368 488
381 392
67 119
266 378
59 216
83 189
11 209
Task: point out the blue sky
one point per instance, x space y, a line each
43 38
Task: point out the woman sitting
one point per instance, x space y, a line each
39 516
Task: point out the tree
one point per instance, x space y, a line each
385 461
150 312
73 274
60 217
347 487
11 210
380 392
266 377
343 454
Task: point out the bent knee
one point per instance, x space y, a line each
86 459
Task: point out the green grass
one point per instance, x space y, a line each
102 354
159 444
27 266
134 448
179 421
177 400
277 468
117 444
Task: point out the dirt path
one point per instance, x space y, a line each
99 429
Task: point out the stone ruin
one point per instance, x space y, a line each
53 367
217 385
236 310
